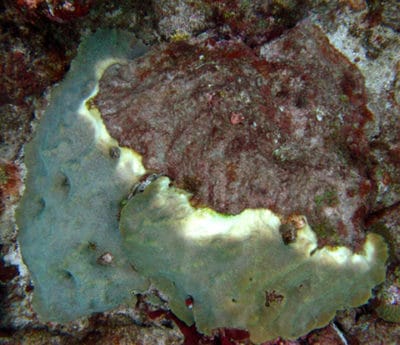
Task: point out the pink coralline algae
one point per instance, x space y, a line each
281 127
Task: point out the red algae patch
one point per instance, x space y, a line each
10 182
281 128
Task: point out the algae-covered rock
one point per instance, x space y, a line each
67 217
281 127
238 270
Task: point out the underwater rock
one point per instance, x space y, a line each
10 182
389 307
284 131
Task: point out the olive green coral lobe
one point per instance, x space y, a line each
67 217
237 268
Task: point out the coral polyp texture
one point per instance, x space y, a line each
86 254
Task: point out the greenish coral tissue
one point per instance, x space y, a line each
67 217
237 269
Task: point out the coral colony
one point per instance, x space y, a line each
94 227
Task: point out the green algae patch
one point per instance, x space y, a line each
68 215
237 269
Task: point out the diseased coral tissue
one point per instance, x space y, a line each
235 181
166 243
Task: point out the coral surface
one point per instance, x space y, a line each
39 38
237 271
73 163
